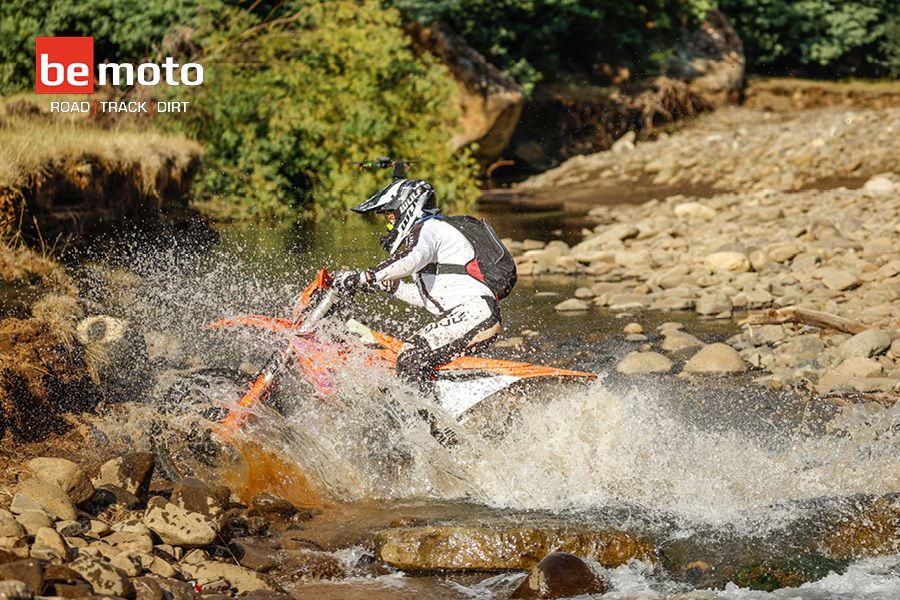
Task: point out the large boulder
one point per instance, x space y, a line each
490 101
483 548
712 60
560 575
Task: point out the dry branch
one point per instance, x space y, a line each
795 314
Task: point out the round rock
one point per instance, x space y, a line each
636 363
560 575
716 358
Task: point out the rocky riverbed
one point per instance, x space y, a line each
813 274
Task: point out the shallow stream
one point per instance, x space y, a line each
719 471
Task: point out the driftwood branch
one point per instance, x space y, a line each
794 314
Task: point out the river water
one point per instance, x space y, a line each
719 471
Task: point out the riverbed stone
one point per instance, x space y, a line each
866 343
452 548
728 261
572 305
764 335
9 526
199 497
633 328
644 362
177 526
13 589
64 474
34 494
715 358
694 210
50 545
32 520
560 575
103 576
239 579
309 564
131 472
713 304
839 280
870 529
880 185
676 341
29 571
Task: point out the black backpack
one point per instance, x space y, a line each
493 265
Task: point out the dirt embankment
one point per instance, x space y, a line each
61 178
64 177
799 94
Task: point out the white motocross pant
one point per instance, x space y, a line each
469 326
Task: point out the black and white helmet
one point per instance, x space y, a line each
409 200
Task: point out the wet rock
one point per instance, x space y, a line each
866 343
29 571
676 341
177 526
49 545
644 362
270 505
239 580
868 529
34 494
773 574
103 577
560 575
719 262
64 474
254 556
108 495
713 304
131 472
15 590
310 564
196 496
572 305
715 358
482 548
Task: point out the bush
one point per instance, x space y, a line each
288 104
828 38
540 39
126 30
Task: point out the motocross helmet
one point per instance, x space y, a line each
408 200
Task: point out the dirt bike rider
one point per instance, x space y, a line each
440 259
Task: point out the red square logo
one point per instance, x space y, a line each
64 65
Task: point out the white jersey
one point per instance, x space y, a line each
433 242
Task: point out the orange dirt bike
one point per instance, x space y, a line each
459 385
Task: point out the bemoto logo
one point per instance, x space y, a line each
65 65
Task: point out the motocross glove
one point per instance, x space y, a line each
349 281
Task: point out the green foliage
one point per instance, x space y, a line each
288 104
122 29
831 38
539 39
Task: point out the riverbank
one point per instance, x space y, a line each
71 177
802 213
